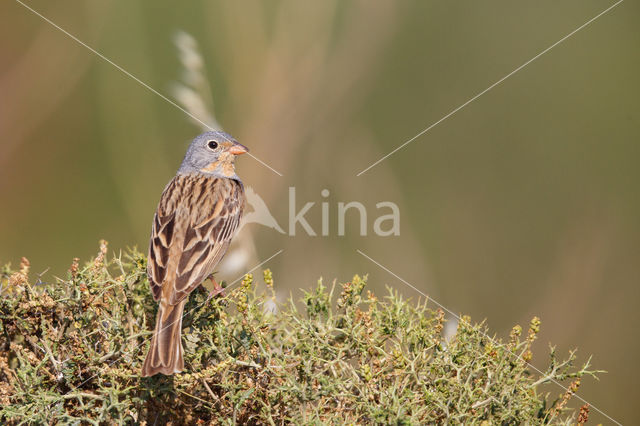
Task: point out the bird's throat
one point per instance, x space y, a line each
224 165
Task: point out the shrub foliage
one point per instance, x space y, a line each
71 351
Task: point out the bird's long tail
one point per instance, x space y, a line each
165 352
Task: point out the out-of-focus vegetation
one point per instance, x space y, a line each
72 350
523 203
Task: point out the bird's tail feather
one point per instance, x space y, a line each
165 352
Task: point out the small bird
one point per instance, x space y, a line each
198 215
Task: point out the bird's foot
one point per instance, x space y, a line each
218 290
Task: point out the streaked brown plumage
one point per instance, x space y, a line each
198 215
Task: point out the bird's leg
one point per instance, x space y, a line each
217 288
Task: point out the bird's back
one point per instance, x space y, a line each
195 220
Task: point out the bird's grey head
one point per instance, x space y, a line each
212 153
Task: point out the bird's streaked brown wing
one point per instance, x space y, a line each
195 221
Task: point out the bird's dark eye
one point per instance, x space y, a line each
212 144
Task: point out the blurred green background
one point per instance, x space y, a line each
523 203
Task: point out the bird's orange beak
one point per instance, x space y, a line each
238 149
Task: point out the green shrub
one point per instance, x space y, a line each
71 352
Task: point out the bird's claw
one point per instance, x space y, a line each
218 290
